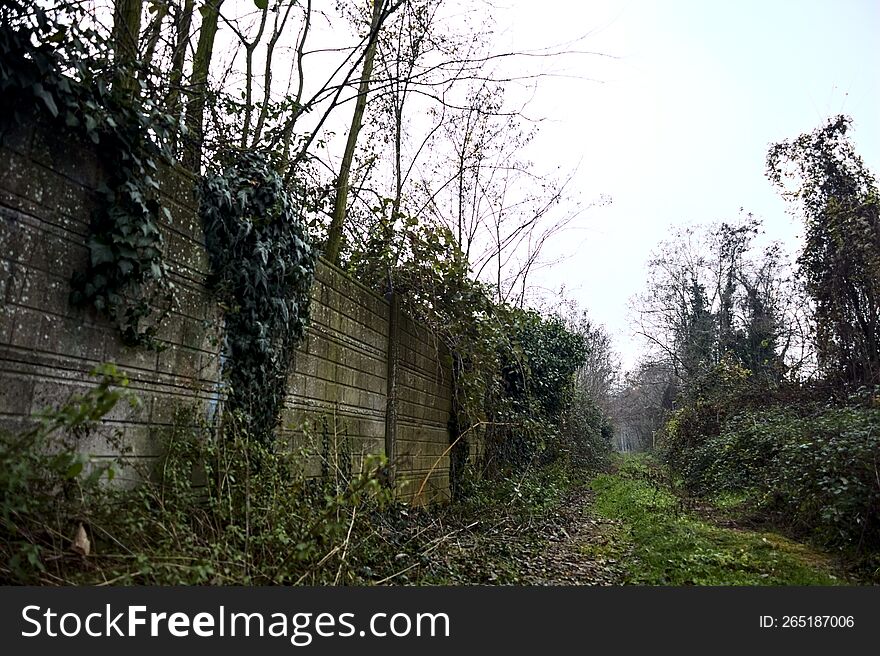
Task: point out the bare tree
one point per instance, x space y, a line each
334 235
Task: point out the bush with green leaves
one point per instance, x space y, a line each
538 364
48 484
585 433
829 476
222 508
815 465
215 507
703 406
262 267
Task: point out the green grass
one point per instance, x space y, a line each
672 547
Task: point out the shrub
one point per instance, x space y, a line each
217 507
818 466
828 475
586 433
47 485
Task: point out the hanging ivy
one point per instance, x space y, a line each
60 72
262 271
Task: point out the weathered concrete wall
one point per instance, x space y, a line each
338 389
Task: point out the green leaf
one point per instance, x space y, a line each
100 253
59 36
261 4
74 470
47 98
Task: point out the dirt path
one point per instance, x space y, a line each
566 545
581 550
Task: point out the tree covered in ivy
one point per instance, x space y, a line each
840 263
262 270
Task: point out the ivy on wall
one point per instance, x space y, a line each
60 72
262 271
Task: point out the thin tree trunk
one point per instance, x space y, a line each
334 236
182 22
153 32
249 48
195 111
126 29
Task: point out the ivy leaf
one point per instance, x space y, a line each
100 253
47 98
58 36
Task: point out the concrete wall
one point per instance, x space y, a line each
339 386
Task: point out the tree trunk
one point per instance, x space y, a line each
334 235
182 23
126 29
198 86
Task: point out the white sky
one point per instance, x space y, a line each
678 126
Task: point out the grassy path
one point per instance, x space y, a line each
660 543
626 526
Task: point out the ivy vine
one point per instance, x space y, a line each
60 71
262 271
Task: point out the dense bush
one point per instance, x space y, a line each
538 360
807 460
585 434
702 408
816 466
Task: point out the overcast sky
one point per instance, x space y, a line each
678 124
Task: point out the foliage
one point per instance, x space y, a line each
702 408
262 271
551 355
514 369
674 547
202 514
47 483
711 296
585 433
240 511
805 453
816 466
221 508
538 367
840 262
60 72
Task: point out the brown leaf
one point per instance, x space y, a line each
81 544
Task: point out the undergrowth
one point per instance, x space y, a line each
221 508
217 507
